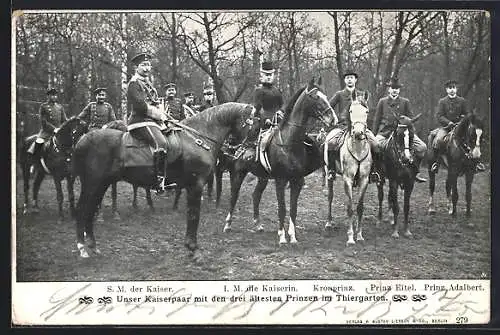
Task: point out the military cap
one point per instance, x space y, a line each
350 73
170 85
267 67
189 94
99 90
394 83
208 87
51 91
141 57
450 82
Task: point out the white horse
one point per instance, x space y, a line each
355 165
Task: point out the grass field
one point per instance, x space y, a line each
143 245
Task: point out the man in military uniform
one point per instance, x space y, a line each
173 105
188 106
208 97
341 102
146 119
52 115
98 113
385 122
449 112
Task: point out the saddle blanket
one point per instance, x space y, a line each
135 152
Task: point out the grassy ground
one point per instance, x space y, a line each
149 246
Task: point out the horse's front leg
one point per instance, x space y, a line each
256 197
39 176
193 216
380 194
70 180
360 207
210 185
219 171
178 192
348 192
408 189
393 201
134 200
148 199
432 186
295 188
280 195
114 196
236 181
469 177
329 224
60 198
452 201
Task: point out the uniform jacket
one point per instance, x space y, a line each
340 102
385 122
140 94
51 116
173 107
267 101
450 110
97 114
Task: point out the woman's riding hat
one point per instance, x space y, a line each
267 67
394 83
141 57
350 73
99 90
450 82
51 91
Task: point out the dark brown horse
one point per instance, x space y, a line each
290 159
56 156
462 149
191 157
399 161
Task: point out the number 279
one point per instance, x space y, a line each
462 319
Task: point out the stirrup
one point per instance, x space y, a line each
160 187
480 167
420 179
375 178
434 167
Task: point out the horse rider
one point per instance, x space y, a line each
385 122
145 107
341 102
173 105
208 97
52 115
99 112
188 106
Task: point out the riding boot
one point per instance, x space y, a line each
332 170
159 162
479 166
36 155
376 170
416 167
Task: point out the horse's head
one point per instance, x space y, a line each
70 132
403 135
317 101
470 131
358 116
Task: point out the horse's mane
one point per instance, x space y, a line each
223 113
469 119
291 103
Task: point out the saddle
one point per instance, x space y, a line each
262 146
135 153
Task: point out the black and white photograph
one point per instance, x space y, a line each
264 145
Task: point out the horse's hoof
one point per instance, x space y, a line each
84 253
35 210
227 229
25 211
196 256
407 234
350 242
395 235
293 240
